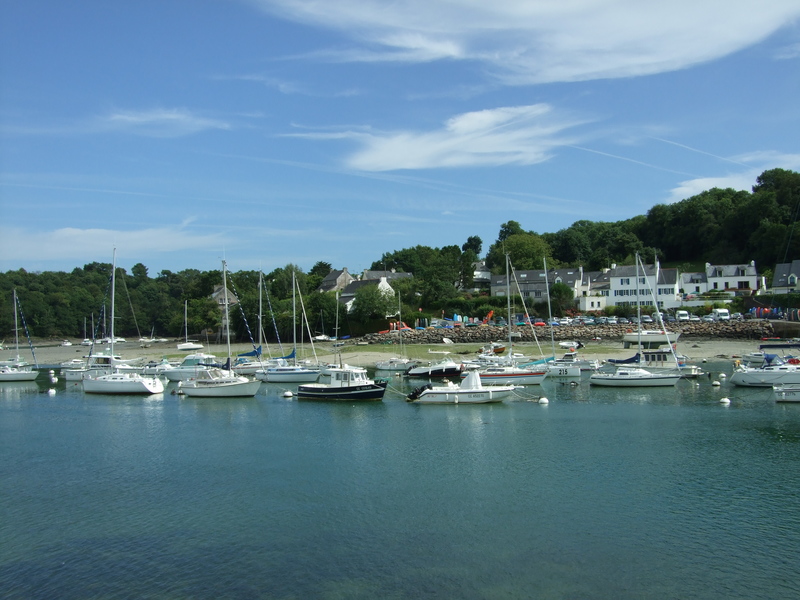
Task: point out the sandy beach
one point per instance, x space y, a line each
52 353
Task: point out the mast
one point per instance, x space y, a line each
294 319
16 324
227 316
113 289
638 310
549 309
508 306
260 288
185 320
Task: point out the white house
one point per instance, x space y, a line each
734 280
627 286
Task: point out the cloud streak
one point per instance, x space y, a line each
518 135
524 42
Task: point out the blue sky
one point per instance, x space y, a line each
278 131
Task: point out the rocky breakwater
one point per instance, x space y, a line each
732 330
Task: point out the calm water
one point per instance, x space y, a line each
601 494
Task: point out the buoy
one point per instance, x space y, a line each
705 360
715 383
724 400
722 376
544 400
287 394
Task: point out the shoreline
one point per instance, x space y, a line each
51 355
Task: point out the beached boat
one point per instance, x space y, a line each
346 383
470 391
395 363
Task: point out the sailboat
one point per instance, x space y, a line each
557 368
283 372
120 382
510 373
186 344
17 370
214 382
632 375
397 363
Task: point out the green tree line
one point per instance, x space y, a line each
721 226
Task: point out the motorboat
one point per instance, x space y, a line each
346 384
786 392
446 367
470 391
190 366
395 364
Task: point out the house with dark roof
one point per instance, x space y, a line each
785 279
336 281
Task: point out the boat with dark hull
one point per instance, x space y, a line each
347 383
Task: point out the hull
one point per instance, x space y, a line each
501 376
431 372
289 375
395 364
458 396
634 378
123 383
789 393
221 390
355 393
12 374
188 346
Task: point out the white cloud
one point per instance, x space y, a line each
519 135
545 41
80 246
158 122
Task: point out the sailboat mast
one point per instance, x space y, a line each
638 307
227 322
294 319
260 288
508 303
16 324
549 308
113 289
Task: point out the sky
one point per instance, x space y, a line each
269 132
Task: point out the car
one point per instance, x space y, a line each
623 321
707 319
670 319
647 319
588 321
601 320
737 317
539 323
612 320
634 320
694 318
555 322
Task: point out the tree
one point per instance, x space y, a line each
473 243
371 303
561 298
525 250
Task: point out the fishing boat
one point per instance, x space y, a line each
346 383
16 369
470 391
214 382
120 382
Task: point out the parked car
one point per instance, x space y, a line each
694 318
588 321
612 320
539 323
707 319
601 320
623 321
737 317
670 319
634 320
647 319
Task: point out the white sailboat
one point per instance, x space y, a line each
120 382
17 370
213 382
396 363
470 391
633 375
186 345
557 368
283 372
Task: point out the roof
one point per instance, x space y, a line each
783 271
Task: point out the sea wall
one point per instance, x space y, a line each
731 330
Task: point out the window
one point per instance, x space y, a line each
625 281
716 285
792 279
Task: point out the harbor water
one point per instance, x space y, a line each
601 493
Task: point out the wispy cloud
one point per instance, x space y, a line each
174 122
532 42
521 135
